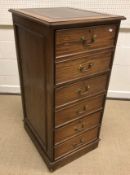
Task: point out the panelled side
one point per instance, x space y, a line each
32 52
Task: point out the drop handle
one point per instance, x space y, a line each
84 110
88 42
78 129
83 91
85 68
81 142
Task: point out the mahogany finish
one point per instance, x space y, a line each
77 127
84 66
78 109
81 89
65 58
76 142
84 39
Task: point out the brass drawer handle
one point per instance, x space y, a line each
82 111
83 91
87 42
77 129
85 68
82 141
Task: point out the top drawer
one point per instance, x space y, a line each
71 41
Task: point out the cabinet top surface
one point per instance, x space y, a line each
64 15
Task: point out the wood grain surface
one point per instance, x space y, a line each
65 58
83 67
78 109
84 39
81 89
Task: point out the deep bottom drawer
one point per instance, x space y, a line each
76 142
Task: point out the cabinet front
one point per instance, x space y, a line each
82 68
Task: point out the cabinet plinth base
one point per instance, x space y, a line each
62 161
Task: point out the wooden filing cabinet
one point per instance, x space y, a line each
65 58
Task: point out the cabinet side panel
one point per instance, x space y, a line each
33 73
35 55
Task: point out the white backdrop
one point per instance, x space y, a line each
110 6
120 81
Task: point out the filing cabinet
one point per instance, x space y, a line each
65 57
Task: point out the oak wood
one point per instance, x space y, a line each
60 51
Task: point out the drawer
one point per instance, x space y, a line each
76 142
69 41
78 110
77 126
83 66
81 89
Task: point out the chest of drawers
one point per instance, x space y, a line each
65 58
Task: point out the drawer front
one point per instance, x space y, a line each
78 68
77 127
71 41
76 143
78 110
80 90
